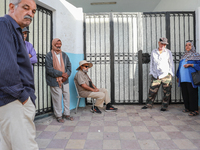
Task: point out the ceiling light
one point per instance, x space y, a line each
103 3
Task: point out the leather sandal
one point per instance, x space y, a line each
185 110
60 120
194 113
68 117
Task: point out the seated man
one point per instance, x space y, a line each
87 89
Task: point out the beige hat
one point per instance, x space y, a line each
163 40
84 62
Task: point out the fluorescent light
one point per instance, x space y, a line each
103 3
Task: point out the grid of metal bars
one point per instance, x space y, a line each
40 36
125 57
127 79
98 49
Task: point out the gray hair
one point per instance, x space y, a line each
15 2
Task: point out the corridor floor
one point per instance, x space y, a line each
130 128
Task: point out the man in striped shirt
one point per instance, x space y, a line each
17 98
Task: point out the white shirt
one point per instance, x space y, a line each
161 64
58 56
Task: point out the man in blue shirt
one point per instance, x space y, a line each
29 47
17 98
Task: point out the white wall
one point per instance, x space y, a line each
67 24
120 6
177 5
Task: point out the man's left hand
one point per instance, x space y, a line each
64 79
96 90
24 102
29 55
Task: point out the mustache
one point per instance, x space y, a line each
28 17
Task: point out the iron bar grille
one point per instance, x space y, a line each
97 37
41 36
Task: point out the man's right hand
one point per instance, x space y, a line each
85 86
64 79
95 90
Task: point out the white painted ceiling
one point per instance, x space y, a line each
120 6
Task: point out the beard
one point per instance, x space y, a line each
85 71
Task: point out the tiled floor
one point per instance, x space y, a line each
128 129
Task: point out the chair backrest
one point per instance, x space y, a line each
75 83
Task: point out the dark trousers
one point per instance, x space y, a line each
190 96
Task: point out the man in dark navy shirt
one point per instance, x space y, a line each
17 98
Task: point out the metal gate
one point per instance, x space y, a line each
115 43
40 36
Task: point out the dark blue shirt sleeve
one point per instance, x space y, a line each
10 81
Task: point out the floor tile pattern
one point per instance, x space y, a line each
128 129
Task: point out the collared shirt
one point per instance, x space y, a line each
58 57
31 50
16 76
82 78
161 64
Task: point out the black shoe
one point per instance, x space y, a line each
144 107
96 110
109 107
163 109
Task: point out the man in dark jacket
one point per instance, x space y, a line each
58 69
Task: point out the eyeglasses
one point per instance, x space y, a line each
86 66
